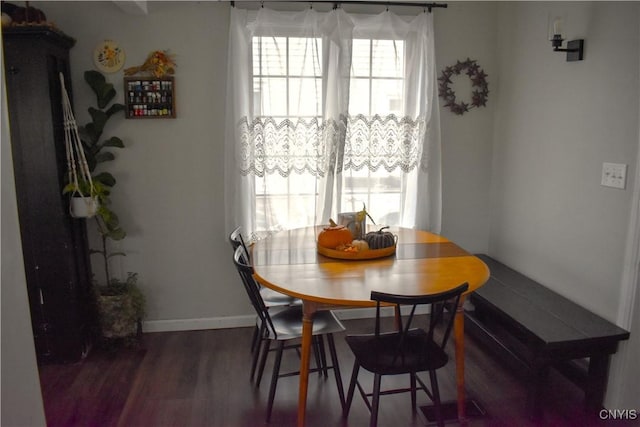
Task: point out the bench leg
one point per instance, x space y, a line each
596 382
538 380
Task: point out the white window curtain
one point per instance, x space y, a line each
299 149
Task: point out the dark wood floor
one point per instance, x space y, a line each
201 378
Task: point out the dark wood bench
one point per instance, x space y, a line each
536 329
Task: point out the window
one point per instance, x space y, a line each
327 111
287 96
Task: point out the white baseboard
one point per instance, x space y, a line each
245 321
198 324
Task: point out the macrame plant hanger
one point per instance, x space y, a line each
81 205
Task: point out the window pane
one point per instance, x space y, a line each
269 96
359 97
388 58
302 184
379 190
387 97
255 45
305 57
360 61
291 200
273 58
291 212
305 97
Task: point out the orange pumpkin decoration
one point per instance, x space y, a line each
334 236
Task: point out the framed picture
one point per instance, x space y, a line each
108 56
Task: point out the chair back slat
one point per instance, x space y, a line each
436 303
236 239
241 261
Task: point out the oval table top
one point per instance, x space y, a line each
423 263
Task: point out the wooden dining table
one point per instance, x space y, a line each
423 263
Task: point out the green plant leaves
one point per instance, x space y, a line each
99 118
105 178
114 109
111 224
114 141
112 254
105 92
88 134
83 187
117 234
104 157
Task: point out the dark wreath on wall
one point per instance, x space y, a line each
480 87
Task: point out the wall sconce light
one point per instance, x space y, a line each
575 48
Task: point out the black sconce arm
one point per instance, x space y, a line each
575 48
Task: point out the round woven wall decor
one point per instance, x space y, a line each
479 85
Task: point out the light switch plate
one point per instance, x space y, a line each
614 175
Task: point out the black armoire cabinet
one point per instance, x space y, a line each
54 244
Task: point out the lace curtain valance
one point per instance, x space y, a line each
283 146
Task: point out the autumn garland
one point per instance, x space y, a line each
158 63
478 82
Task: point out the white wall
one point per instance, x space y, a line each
21 399
556 123
467 30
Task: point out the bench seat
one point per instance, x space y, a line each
536 329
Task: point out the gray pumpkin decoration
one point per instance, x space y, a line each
380 239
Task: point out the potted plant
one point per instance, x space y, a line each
121 304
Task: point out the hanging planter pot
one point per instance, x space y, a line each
83 207
83 202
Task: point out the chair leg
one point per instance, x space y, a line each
336 368
258 335
263 360
412 381
436 397
274 378
323 356
375 403
254 362
316 354
352 389
254 339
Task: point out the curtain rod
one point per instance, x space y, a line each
428 6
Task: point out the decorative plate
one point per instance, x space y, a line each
368 254
108 56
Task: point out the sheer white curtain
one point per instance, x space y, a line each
299 149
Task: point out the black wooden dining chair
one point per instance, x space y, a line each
270 297
406 350
283 326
